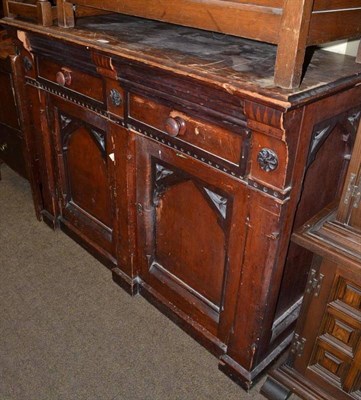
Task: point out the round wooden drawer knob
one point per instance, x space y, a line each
63 78
175 126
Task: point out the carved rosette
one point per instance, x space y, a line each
115 97
267 160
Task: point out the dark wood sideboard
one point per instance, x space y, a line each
170 155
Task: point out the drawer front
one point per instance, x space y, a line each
11 150
70 78
210 138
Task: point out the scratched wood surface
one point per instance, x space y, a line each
238 65
238 61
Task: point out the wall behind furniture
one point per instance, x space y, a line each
344 47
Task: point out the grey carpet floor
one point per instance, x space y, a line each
68 332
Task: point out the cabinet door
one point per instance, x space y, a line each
331 332
191 231
85 175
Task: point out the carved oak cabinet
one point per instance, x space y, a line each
170 155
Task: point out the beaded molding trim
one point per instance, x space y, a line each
184 148
267 190
82 103
187 150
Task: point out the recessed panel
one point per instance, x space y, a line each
190 243
88 185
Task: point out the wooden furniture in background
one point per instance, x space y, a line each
293 25
11 135
40 11
167 152
325 355
43 12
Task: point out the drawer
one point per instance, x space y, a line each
208 137
11 150
70 78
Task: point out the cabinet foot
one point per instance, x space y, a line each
130 285
49 219
273 390
234 371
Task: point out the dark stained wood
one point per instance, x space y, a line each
11 150
200 134
86 84
170 155
185 196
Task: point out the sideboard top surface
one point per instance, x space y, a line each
237 65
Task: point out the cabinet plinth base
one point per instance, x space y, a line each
235 372
131 286
49 219
96 251
195 330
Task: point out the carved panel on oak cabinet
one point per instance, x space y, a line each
86 183
342 330
190 233
329 363
337 350
346 122
349 294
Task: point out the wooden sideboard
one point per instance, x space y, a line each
169 154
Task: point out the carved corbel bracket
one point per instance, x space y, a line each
264 119
115 94
104 65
